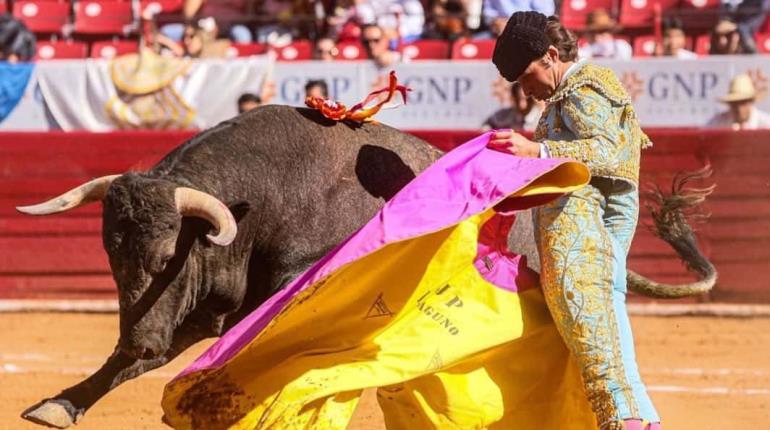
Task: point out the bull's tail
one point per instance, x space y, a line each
670 213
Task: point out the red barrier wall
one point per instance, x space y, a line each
62 256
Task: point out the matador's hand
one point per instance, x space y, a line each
516 144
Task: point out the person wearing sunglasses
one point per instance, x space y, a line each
377 46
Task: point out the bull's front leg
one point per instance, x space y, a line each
69 406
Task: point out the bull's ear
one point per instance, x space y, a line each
239 210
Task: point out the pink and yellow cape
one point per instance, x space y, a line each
424 302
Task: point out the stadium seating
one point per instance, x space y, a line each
470 49
763 43
108 49
574 12
103 17
48 50
161 6
246 49
42 16
641 13
699 14
703 44
350 50
644 46
425 50
295 51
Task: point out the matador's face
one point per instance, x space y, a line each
539 80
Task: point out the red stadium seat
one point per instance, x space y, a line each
246 49
703 44
699 14
47 50
3 6
699 5
295 51
575 12
425 50
350 50
641 13
644 46
161 6
103 17
763 43
109 49
42 16
469 49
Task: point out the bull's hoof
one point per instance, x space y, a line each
58 413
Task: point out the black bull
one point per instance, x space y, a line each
294 185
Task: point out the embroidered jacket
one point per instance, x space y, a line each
590 119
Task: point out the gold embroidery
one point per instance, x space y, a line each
590 119
577 279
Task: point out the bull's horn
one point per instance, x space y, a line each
89 192
190 202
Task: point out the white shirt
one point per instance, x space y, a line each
405 15
757 120
617 49
684 54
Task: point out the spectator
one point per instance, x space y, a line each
317 88
742 114
289 20
474 13
748 15
198 41
674 41
601 41
343 21
377 46
449 21
725 39
522 114
17 43
226 14
399 19
248 101
325 49
497 12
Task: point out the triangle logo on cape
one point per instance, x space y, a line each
379 309
436 362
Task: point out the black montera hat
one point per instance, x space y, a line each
523 41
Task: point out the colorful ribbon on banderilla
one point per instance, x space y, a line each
338 112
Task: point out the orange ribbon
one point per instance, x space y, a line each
338 112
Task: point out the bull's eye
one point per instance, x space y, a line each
158 264
165 259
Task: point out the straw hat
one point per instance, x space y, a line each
599 20
741 89
146 72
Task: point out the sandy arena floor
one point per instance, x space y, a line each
703 373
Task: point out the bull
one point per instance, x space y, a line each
229 217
